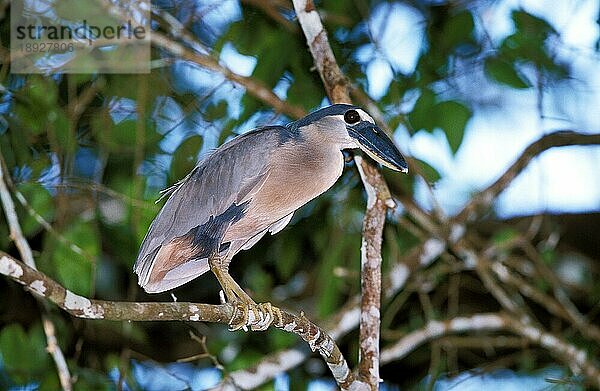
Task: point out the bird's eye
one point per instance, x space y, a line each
351 117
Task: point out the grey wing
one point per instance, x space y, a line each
203 205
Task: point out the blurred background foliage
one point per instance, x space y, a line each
88 154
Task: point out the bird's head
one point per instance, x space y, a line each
351 127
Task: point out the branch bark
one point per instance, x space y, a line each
347 319
566 352
82 307
378 197
253 86
561 138
370 320
17 236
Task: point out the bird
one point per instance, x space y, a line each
248 187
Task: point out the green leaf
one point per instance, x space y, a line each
185 157
458 29
272 61
65 136
548 256
119 137
40 200
258 281
400 184
36 107
28 120
282 340
505 236
345 9
429 173
75 270
40 91
50 382
89 379
23 354
421 116
532 25
505 73
216 111
288 255
305 90
329 285
453 116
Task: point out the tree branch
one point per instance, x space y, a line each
17 236
562 138
334 81
192 50
378 196
436 329
252 86
370 320
348 318
270 9
83 307
421 256
550 303
576 358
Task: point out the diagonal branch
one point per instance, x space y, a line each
436 329
562 138
335 82
576 358
13 221
270 9
184 45
252 86
345 320
83 307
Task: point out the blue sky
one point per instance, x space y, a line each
560 180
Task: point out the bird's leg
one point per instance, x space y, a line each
258 316
233 291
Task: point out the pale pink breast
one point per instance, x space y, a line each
302 177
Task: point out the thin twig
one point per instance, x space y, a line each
16 234
270 9
550 303
184 45
436 329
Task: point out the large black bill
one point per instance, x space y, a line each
378 145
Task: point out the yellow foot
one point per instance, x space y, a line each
256 316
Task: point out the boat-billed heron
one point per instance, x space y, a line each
249 186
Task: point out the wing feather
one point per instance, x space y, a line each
228 176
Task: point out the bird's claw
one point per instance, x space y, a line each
258 317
